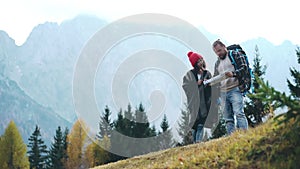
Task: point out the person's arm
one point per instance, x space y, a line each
216 72
216 75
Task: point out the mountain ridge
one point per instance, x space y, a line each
26 113
44 65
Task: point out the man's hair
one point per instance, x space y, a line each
218 42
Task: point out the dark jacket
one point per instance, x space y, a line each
199 100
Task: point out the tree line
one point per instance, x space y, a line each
75 149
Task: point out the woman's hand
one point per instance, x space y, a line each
200 82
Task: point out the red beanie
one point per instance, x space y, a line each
194 57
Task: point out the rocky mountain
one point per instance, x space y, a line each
43 68
16 105
43 65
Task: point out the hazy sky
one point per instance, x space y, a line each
232 20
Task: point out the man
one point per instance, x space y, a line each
198 94
231 87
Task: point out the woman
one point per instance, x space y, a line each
198 94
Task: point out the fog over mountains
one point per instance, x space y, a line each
42 69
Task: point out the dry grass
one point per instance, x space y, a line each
266 146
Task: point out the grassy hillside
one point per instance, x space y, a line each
267 146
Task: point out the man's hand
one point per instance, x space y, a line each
229 74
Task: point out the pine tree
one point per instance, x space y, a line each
141 127
101 155
76 142
105 124
125 122
65 144
122 125
119 124
152 131
129 122
38 150
57 153
184 130
295 88
258 69
276 99
13 149
255 109
166 139
118 127
134 126
164 124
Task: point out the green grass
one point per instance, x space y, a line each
267 146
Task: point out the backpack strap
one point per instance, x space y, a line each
232 59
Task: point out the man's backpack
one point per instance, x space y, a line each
247 79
